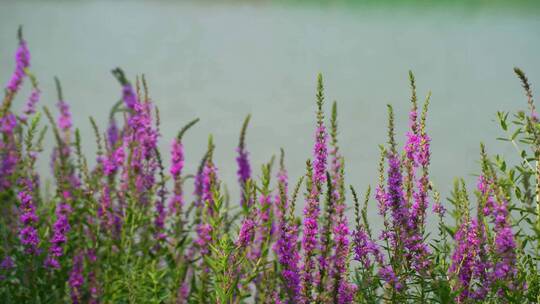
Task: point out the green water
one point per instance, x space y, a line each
220 62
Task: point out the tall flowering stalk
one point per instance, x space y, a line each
286 245
364 243
28 193
316 178
394 200
209 183
8 150
28 233
405 198
246 233
468 266
141 137
22 63
160 234
33 99
9 155
465 251
320 149
404 201
244 169
265 230
504 271
66 180
282 195
309 237
61 228
176 202
420 143
76 278
342 289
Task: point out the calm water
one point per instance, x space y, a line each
221 62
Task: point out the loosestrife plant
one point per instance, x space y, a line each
125 230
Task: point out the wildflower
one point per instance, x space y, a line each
387 274
346 292
203 237
244 169
288 257
198 185
245 236
320 151
463 258
309 240
341 231
504 268
9 156
113 134
64 120
439 209
317 176
59 233
6 265
28 233
112 163
209 180
177 154
22 62
282 191
30 107
159 221
177 164
395 192
141 138
265 227
76 278
366 251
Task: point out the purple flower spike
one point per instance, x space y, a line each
177 165
9 156
140 137
288 256
244 169
113 134
387 274
64 120
395 199
310 241
30 107
76 278
464 257
245 236
203 237
320 155
59 233
28 234
209 181
177 159
244 172
22 62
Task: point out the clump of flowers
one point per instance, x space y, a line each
127 228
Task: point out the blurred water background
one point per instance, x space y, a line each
222 61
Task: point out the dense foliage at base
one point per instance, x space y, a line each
126 231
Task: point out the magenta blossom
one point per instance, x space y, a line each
22 62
